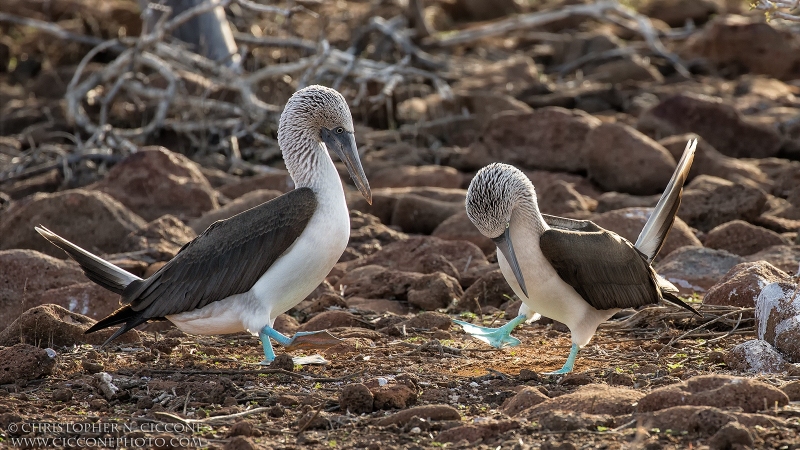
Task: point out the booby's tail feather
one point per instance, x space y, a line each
670 293
658 225
96 269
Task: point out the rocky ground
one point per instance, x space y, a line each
599 137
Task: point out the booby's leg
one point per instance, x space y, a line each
301 340
573 354
496 337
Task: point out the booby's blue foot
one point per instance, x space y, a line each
496 337
302 340
573 354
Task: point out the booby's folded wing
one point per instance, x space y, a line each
227 259
564 223
604 268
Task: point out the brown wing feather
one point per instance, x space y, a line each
604 268
227 259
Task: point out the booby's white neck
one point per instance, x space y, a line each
526 214
310 165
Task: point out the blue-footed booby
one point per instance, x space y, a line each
241 273
572 271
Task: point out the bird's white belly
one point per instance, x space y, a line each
549 295
287 282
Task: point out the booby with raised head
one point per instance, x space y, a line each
572 271
241 273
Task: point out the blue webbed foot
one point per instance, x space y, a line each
302 340
573 354
496 337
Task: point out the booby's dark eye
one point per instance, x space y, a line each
339 130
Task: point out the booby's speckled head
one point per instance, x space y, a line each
493 194
321 114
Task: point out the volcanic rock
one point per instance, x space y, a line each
528 397
458 227
709 201
623 159
25 362
742 238
742 284
416 176
67 214
356 398
696 269
784 257
717 122
54 326
757 356
416 214
155 181
161 239
721 391
709 161
490 290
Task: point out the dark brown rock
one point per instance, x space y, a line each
392 396
611 201
356 398
240 204
278 180
528 397
705 420
742 284
623 159
561 198
721 391
709 161
591 399
428 320
425 412
757 356
473 433
784 257
626 69
26 275
368 234
458 227
54 326
161 239
792 390
286 324
88 299
737 42
62 395
629 222
490 290
67 214
709 201
283 362
731 435
433 291
25 362
332 319
384 200
416 214
676 13
416 176
155 181
742 238
548 138
717 122
424 254
696 269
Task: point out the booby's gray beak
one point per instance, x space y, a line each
505 245
344 145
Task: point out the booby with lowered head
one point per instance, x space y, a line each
572 271
243 272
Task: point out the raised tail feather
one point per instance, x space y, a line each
660 222
105 274
96 269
